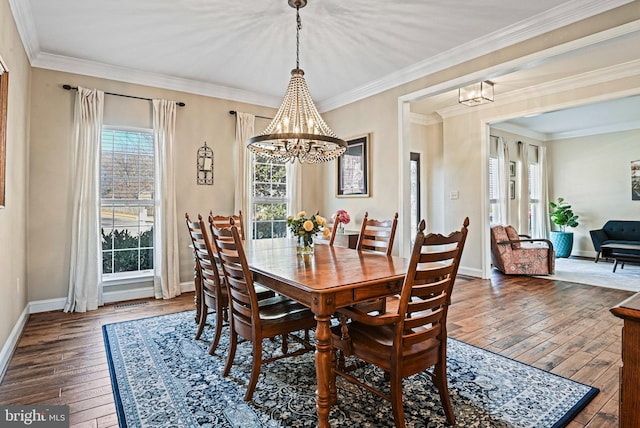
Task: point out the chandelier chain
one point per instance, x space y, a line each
298 28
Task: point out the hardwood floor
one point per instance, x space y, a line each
557 326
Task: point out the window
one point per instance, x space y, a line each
269 199
494 198
127 192
534 199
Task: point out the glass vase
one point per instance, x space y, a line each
340 228
304 244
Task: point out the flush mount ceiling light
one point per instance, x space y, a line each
297 131
476 94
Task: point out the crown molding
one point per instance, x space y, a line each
554 136
129 75
522 131
562 15
423 119
558 17
602 75
22 15
596 130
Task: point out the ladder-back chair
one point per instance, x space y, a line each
252 320
413 337
377 235
212 293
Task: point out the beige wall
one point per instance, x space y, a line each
465 143
13 217
593 174
203 119
40 116
465 137
371 117
434 190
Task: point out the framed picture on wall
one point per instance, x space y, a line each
353 169
512 189
512 168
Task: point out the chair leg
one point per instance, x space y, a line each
233 341
203 320
396 399
597 256
440 380
333 391
218 331
340 361
255 369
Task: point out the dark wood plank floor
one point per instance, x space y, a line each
557 326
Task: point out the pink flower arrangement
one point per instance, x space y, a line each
343 217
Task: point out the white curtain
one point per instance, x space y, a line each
166 280
523 194
294 190
503 182
542 223
245 127
85 273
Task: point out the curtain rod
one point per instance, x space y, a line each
233 112
75 88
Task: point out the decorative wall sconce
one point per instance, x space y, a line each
476 94
204 165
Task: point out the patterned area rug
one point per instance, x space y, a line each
162 377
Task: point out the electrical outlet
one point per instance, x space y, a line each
18 285
454 195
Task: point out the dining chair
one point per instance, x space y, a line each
213 294
222 221
255 320
332 227
377 235
197 300
219 222
413 337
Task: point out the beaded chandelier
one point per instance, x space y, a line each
298 131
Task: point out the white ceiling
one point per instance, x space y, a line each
621 114
588 63
244 50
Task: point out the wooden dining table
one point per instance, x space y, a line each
331 278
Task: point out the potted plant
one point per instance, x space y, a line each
562 215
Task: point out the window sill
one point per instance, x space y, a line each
127 278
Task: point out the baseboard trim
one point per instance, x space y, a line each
185 287
477 273
57 304
132 294
12 341
588 254
47 305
